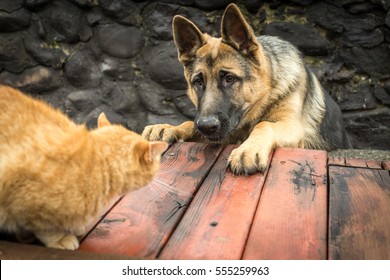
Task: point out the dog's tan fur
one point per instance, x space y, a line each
254 91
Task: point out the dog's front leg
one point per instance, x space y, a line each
169 133
253 155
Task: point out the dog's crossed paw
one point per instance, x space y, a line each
248 159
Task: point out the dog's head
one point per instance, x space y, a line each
225 76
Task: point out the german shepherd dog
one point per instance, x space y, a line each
253 91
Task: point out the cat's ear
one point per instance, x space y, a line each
155 149
102 120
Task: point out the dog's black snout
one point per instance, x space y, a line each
208 125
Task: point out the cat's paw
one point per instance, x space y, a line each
68 242
58 240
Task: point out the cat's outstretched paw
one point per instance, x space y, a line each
58 240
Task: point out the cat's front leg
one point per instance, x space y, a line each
58 240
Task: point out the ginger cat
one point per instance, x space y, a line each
56 176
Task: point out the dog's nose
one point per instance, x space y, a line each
208 125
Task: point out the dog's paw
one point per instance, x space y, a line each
161 132
248 159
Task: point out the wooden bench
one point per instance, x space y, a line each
306 206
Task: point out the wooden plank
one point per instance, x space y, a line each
140 224
354 162
291 219
359 209
386 164
16 251
218 220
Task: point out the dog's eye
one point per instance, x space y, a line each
198 81
230 78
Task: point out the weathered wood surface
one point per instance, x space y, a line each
16 251
197 209
217 223
141 223
354 162
359 210
291 219
386 164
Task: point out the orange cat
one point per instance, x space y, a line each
56 176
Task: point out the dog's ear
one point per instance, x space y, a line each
188 38
237 33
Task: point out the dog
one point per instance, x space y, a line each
253 91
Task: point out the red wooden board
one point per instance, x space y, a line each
386 164
359 210
140 224
291 219
354 162
217 223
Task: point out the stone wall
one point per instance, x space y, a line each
117 56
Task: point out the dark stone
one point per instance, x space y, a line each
63 21
369 129
387 19
13 56
158 20
48 55
82 101
360 8
185 105
164 67
374 61
120 41
306 38
328 16
34 4
82 71
208 24
342 3
34 80
382 95
155 98
83 3
212 5
361 98
123 11
253 5
385 4
90 119
337 20
118 69
175 119
358 37
302 2
386 86
123 99
14 21
10 5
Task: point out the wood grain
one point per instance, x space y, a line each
218 221
141 223
354 162
359 210
291 219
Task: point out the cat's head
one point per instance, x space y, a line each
136 157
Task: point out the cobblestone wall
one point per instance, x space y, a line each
117 56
